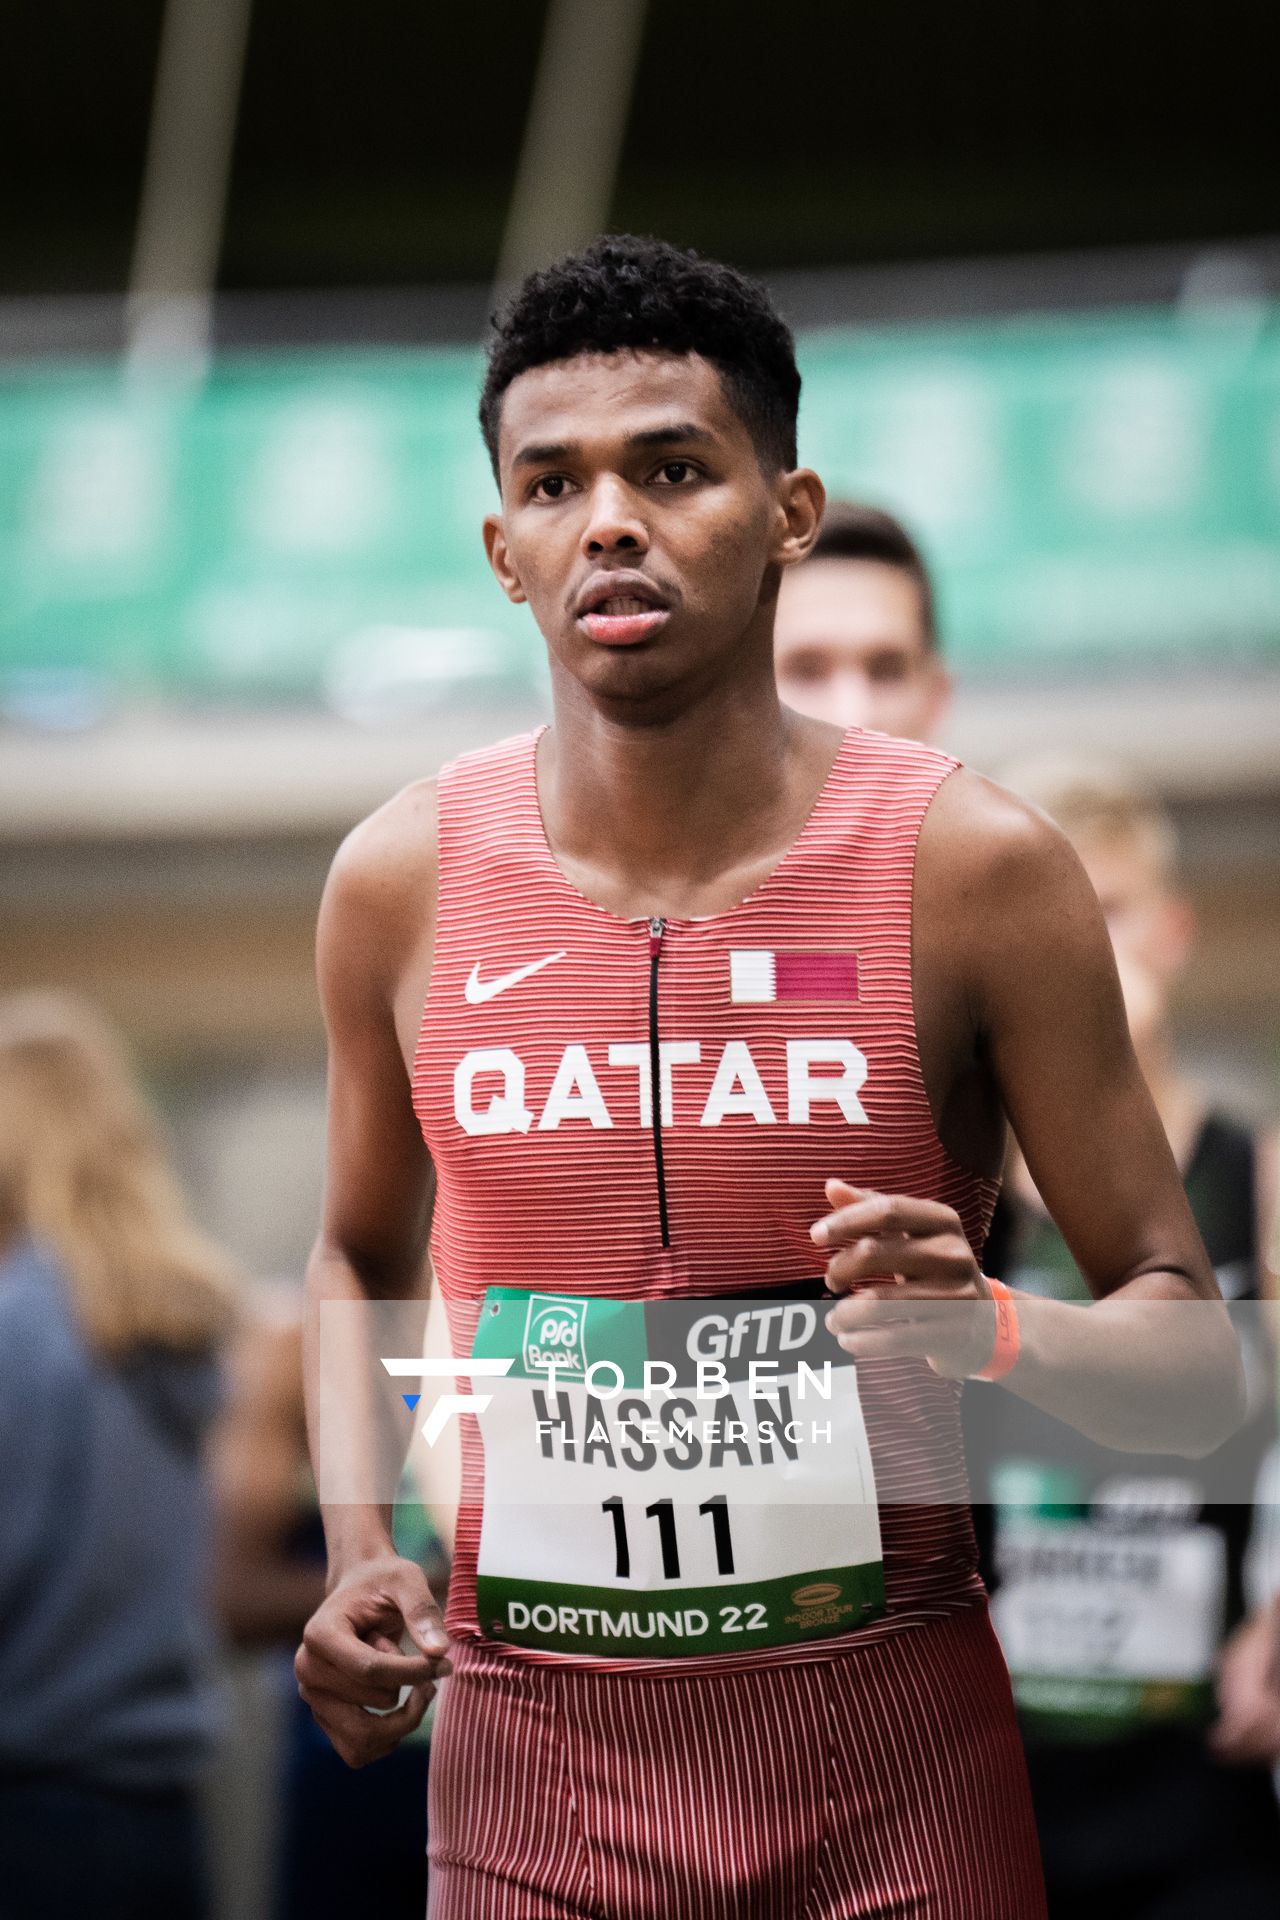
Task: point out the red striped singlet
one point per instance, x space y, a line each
531 1079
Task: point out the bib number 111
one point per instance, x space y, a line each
663 1511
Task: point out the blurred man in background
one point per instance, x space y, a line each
1148 1691
856 639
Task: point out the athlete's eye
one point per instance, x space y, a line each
673 473
551 486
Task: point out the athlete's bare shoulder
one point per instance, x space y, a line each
989 837
393 851
999 888
987 829
1011 965
378 908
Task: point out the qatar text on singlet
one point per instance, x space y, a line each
632 1122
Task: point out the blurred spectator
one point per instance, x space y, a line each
856 638
349 1842
1151 1801
112 1310
269 1574
1149 1697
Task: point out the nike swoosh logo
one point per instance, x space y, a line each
477 991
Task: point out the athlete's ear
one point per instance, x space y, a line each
495 545
801 498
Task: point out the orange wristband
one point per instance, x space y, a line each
1004 1355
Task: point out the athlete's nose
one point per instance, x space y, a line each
613 523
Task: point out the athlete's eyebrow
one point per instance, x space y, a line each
679 433
548 452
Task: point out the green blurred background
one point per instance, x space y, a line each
1097 492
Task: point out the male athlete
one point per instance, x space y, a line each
855 640
690 997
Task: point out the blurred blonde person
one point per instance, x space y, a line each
1147 1759
113 1308
856 636
1128 846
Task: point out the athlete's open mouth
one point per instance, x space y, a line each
620 609
621 603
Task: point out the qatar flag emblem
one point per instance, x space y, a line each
758 974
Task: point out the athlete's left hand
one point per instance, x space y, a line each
911 1283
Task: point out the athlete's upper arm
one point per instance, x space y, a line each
1046 1005
378 901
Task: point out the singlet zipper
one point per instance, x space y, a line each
657 928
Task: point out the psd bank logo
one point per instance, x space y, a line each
428 1367
555 1331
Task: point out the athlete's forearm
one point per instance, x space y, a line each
351 1435
353 1536
1153 1367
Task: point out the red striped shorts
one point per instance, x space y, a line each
888 1781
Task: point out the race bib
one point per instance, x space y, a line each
671 1478
1108 1627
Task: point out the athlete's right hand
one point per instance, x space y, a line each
350 1657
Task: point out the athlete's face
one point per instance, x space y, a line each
639 524
850 646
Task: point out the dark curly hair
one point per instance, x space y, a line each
625 292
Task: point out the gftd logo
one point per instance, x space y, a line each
429 1367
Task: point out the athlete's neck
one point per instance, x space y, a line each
686 816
